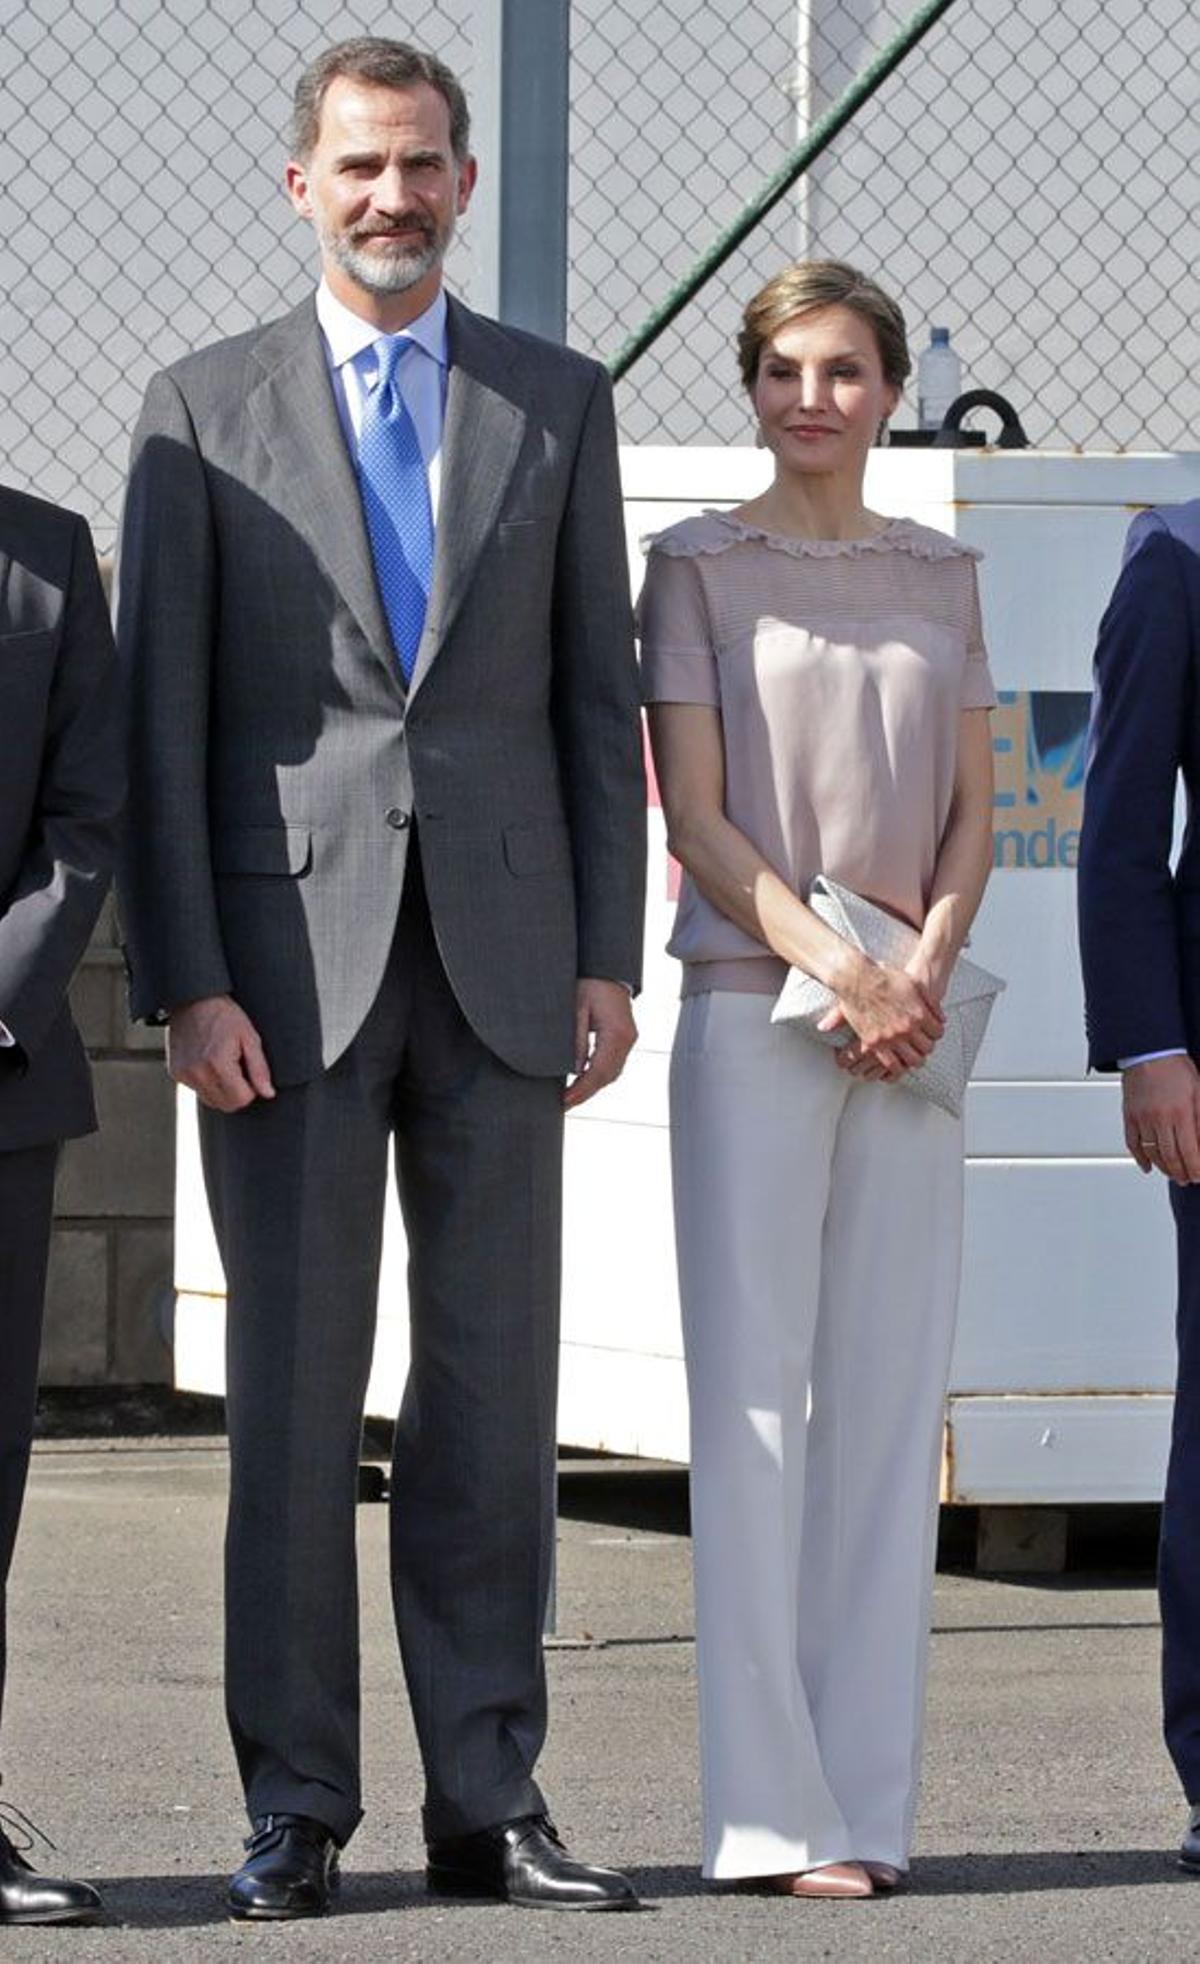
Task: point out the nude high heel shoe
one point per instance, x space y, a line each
834 1879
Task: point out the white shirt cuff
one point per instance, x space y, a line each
1147 1057
7 1039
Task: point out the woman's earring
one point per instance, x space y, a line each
760 441
883 434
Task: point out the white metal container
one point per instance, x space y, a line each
1060 1387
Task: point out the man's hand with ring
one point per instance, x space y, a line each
1161 1105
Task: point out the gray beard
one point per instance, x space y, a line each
388 272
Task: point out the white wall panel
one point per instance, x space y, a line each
1011 1451
1068 1279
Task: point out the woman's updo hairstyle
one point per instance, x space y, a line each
813 283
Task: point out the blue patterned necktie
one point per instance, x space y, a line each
395 495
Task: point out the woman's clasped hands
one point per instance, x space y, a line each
895 1016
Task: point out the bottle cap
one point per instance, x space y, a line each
939 337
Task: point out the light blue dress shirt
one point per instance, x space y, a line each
353 370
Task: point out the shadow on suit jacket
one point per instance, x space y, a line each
278 763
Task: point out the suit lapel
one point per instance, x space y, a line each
481 437
315 484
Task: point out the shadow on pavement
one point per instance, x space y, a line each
626 1494
168 1902
974 1874
666 1881
165 1902
1051 1869
182 1902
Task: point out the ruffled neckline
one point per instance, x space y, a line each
715 531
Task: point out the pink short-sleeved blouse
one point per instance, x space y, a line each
839 668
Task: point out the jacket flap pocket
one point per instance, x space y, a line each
268 849
27 641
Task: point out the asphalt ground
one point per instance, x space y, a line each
1049 1813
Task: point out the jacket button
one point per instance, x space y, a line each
397 819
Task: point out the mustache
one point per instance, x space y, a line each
417 223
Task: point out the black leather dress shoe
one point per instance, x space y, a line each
291 1869
26 1897
524 1862
1189 1847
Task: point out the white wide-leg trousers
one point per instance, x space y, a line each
819 1228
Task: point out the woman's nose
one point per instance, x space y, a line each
812 388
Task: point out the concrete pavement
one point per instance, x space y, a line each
1048 1808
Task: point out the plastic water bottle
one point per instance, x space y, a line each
939 379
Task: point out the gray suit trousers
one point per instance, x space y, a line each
297 1187
26 1203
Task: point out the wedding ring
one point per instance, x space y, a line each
1147 1142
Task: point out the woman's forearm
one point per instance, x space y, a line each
959 880
892 1013
964 859
733 875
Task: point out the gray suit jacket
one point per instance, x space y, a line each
277 759
60 795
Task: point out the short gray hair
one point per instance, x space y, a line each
385 65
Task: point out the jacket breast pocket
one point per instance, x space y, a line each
539 846
529 530
268 851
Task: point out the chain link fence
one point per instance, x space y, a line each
1027 178
142 145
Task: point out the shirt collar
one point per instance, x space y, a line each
347 334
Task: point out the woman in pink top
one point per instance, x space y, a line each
818 683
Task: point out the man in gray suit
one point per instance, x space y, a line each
384 878
60 793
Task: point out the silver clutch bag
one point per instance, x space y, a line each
967 1004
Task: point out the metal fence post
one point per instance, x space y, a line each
534 83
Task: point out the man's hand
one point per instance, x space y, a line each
214 1048
605 1033
1161 1104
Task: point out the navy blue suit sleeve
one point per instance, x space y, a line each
46 919
1141 709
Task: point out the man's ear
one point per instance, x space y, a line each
468 173
296 179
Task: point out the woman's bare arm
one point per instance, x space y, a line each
964 862
965 858
891 1011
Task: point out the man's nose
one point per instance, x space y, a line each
390 191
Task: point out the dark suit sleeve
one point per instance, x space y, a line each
65 872
1141 707
167 601
596 707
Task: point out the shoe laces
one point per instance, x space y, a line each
270 1828
263 1835
548 1828
19 1831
